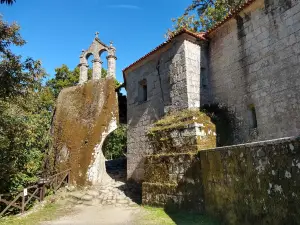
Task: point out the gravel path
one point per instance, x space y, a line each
110 204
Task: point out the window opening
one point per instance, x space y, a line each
253 116
143 92
203 77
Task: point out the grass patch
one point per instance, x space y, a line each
158 216
49 212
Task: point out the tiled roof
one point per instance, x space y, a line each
201 35
196 35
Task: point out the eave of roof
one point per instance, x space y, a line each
196 35
201 35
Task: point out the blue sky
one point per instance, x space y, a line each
57 30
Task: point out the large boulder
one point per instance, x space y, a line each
84 116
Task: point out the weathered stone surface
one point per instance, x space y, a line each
93 193
254 60
169 88
84 116
184 131
109 195
238 184
87 197
76 195
96 49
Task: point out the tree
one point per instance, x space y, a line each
9 2
201 15
64 77
25 113
114 146
16 76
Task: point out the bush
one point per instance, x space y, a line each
115 145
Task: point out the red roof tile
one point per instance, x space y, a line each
196 35
201 35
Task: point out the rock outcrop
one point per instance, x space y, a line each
84 116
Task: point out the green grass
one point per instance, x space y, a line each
49 212
158 216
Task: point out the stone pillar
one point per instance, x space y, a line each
83 77
111 61
97 66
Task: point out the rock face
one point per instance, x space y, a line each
84 116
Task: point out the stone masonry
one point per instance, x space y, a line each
249 65
170 86
254 60
96 49
254 183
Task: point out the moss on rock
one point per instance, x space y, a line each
83 115
187 130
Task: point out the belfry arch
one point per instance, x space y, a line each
96 49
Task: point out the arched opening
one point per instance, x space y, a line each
102 55
224 122
122 101
89 59
114 149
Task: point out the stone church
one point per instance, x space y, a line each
248 64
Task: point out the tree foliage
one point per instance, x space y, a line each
201 15
64 77
114 146
17 77
25 113
8 2
26 109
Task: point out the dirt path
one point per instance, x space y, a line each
100 215
111 204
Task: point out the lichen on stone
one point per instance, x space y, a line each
182 131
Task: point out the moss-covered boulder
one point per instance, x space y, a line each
84 116
187 130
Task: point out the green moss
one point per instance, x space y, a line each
177 120
248 184
176 132
83 113
245 184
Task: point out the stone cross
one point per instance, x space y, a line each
97 33
111 43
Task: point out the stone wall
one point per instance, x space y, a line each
84 116
256 183
183 131
174 182
254 62
172 84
